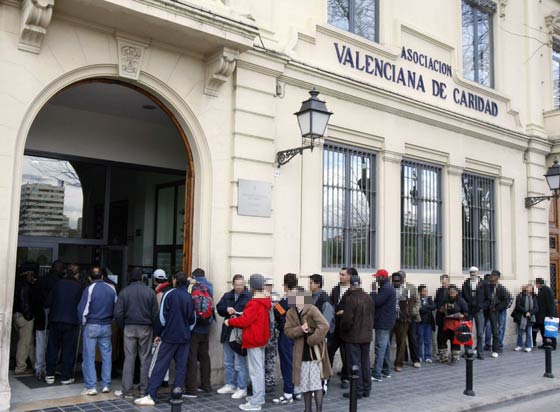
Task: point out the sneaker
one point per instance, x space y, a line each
517 348
249 407
417 365
68 381
527 350
105 389
386 375
227 389
376 379
49 380
495 355
239 394
89 392
189 395
145 401
283 400
428 360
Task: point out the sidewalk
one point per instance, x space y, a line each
432 388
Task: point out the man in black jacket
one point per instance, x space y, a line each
441 297
547 308
356 331
64 325
499 300
136 312
334 342
232 304
475 294
23 317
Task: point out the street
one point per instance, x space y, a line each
547 403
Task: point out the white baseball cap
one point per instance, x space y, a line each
473 269
159 274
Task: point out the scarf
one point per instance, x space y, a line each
528 305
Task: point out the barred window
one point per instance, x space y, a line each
348 207
478 222
356 16
556 73
477 37
421 234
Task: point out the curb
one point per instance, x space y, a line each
509 398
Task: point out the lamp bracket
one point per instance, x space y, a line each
534 200
285 156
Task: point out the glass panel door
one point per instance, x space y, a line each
169 233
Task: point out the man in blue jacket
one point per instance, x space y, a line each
385 316
64 325
199 349
95 312
173 336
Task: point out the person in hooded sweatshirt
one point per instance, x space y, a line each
172 333
255 323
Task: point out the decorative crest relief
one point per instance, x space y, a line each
219 68
36 16
553 22
131 53
502 7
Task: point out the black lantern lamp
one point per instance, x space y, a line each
552 177
313 118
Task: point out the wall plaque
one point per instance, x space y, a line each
254 198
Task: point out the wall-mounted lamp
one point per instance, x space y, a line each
552 177
313 118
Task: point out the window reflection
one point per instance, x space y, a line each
556 74
356 16
61 198
477 42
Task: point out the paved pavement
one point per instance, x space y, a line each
546 403
432 388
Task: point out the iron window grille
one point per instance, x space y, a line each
421 220
477 34
356 16
349 182
478 205
556 73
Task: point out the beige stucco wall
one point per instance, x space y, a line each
236 134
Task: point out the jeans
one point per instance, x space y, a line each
235 368
97 335
357 354
255 358
163 355
479 323
286 353
502 316
40 351
382 353
528 332
63 338
424 339
137 341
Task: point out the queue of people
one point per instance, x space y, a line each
167 328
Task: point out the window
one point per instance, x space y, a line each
348 207
556 73
478 222
356 16
421 234
477 40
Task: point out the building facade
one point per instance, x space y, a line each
170 114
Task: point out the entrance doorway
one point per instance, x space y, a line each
107 181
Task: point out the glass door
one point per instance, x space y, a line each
169 227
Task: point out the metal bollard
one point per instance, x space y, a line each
354 389
176 400
548 358
469 356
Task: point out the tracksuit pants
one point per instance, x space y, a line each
161 361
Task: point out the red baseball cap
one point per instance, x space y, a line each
381 273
